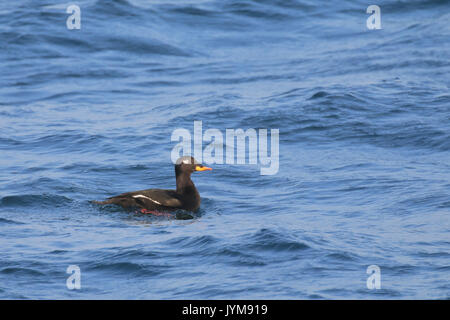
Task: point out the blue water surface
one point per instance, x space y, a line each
363 179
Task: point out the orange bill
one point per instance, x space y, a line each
202 168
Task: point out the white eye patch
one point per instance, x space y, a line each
186 160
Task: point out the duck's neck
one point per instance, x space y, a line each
185 185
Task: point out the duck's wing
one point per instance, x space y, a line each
148 199
166 198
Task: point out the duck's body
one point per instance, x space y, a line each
156 199
185 197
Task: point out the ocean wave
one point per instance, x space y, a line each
30 200
269 240
16 271
9 221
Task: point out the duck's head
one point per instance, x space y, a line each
188 164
